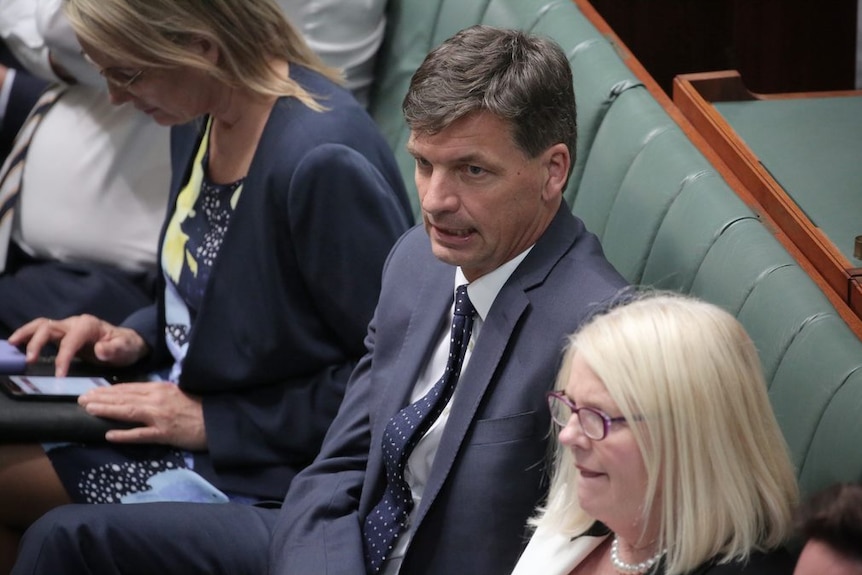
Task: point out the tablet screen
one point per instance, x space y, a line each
46 386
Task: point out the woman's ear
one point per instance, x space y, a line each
206 48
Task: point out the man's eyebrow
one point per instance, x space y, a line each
469 158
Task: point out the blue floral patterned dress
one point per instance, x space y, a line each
122 473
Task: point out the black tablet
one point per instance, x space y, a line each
49 388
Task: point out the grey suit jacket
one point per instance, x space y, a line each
489 472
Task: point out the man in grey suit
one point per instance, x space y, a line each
492 118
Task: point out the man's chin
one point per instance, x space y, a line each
446 254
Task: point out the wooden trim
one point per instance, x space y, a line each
737 166
855 289
664 100
727 86
693 94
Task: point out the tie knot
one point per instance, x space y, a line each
463 306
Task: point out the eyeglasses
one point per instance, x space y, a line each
121 79
595 423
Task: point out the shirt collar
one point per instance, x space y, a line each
484 290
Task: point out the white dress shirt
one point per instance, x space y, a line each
345 33
95 184
482 292
19 30
97 176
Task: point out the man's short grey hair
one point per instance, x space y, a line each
525 80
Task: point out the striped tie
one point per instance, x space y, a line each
13 168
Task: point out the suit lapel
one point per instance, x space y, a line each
431 307
508 308
473 385
430 311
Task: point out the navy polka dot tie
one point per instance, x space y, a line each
388 519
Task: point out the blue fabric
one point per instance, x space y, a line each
491 453
298 275
148 538
205 230
129 474
136 474
31 288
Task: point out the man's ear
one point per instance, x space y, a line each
557 161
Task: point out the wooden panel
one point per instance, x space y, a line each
795 45
693 94
670 37
681 117
778 45
856 291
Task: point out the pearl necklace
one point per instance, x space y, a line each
627 568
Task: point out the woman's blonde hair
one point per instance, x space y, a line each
249 36
717 464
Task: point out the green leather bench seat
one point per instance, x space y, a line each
669 227
699 215
668 220
812 147
834 453
639 164
416 27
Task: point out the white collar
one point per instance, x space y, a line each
484 290
552 553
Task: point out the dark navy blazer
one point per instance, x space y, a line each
282 320
488 474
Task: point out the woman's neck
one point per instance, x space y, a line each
634 542
630 554
238 120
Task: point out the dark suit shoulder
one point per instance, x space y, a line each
341 120
569 263
777 562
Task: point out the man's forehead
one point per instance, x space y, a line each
452 151
468 135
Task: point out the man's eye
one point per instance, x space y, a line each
475 170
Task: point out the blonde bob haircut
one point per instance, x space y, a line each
248 34
717 465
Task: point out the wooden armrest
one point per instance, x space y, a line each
722 86
694 95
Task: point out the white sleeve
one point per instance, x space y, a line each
53 26
19 30
346 34
5 90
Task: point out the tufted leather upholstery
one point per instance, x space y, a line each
667 219
415 27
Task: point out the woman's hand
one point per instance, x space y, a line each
85 335
167 414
